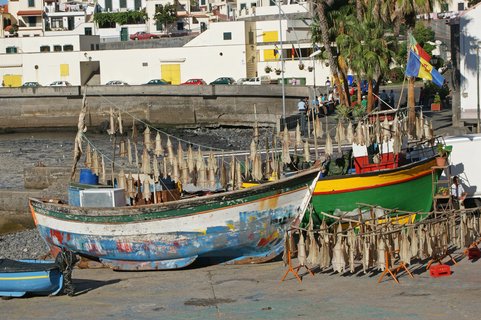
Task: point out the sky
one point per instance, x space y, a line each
3 1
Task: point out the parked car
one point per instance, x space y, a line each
223 80
194 82
253 81
158 82
116 83
242 80
142 35
60 84
31 84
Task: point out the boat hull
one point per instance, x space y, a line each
240 225
407 188
40 282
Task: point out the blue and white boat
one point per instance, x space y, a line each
38 277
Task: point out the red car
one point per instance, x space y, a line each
194 82
142 35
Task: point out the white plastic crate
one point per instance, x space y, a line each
102 198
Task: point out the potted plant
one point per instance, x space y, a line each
444 191
278 71
301 66
310 68
443 153
436 105
267 69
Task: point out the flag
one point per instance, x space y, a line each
418 65
418 49
276 51
293 52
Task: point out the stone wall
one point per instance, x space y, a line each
187 106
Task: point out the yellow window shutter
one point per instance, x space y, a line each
64 70
270 36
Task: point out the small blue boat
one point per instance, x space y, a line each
39 277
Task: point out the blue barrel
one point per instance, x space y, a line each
88 177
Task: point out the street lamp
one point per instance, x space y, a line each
477 88
282 66
313 55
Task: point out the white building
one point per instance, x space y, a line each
470 55
27 16
237 49
449 6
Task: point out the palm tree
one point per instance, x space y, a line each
321 7
373 52
405 11
367 46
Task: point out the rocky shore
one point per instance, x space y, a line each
25 244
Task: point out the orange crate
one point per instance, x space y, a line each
440 270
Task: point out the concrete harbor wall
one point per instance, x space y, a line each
38 181
185 106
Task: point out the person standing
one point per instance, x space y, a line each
391 98
364 103
328 83
421 97
457 191
302 108
315 105
383 99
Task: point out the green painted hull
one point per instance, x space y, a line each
412 196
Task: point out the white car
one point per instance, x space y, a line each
60 84
252 81
116 83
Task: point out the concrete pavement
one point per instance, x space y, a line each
255 292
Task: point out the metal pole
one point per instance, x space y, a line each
477 88
282 67
314 73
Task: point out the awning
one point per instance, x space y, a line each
30 13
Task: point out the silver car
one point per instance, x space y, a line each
60 84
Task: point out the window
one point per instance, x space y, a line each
108 5
460 6
57 48
57 23
88 31
32 21
138 4
10 50
123 4
31 3
97 46
45 49
243 6
227 36
159 26
68 47
92 47
180 26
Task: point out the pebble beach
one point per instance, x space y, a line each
21 150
